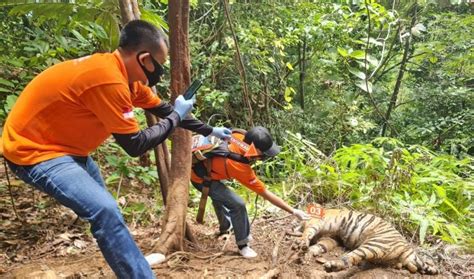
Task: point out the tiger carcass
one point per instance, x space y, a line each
370 237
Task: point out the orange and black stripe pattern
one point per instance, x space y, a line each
370 238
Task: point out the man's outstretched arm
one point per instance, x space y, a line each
188 123
136 144
191 123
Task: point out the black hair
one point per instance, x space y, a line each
139 35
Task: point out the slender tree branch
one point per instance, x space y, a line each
135 9
211 37
12 199
396 65
366 69
401 72
383 51
241 67
207 12
297 63
403 103
389 56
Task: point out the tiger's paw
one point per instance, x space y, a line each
411 267
307 258
429 266
315 250
302 244
335 265
424 267
430 269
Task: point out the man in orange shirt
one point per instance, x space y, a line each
229 207
69 109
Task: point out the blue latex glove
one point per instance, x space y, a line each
182 106
221 132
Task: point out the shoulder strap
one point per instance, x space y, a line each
238 157
223 151
208 166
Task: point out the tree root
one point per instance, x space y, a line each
271 273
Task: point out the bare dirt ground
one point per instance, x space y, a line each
48 243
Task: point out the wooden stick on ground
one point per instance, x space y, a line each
271 273
9 185
275 250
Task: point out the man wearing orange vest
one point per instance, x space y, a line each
229 207
69 109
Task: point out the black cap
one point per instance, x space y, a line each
262 140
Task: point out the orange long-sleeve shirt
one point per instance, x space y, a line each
223 168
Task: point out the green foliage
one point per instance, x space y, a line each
43 43
94 19
154 18
428 192
122 166
353 53
441 111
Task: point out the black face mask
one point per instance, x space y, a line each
155 76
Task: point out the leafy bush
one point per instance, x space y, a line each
419 189
41 45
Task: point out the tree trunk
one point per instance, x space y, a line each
130 11
126 11
401 73
302 58
172 234
302 66
161 158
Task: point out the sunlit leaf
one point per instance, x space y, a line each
79 36
155 19
289 92
357 54
342 52
375 42
357 73
366 86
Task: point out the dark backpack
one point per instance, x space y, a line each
204 148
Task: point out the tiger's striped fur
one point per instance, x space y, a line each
370 238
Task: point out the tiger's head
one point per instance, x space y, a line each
311 227
320 218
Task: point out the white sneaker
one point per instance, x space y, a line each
155 258
248 252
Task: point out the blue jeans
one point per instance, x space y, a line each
76 183
230 210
